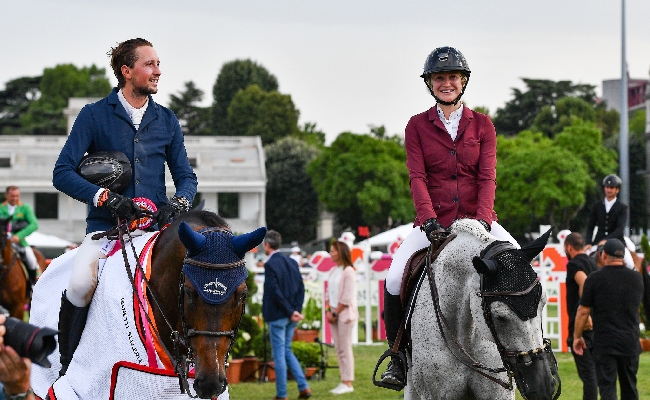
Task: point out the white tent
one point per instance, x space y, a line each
39 239
388 237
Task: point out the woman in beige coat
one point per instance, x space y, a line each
341 312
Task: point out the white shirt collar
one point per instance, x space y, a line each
135 114
609 204
452 123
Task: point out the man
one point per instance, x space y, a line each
14 371
609 215
578 268
23 223
284 293
149 135
612 295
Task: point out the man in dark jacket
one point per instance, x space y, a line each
608 215
578 268
284 293
612 296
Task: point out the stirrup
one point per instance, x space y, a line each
402 359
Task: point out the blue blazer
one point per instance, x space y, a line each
105 126
284 290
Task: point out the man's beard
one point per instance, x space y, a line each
143 91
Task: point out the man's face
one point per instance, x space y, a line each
611 192
567 251
142 79
13 197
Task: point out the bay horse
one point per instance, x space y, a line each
477 324
194 289
13 278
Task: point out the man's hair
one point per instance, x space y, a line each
274 239
10 188
125 54
575 240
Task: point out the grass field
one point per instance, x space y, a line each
366 357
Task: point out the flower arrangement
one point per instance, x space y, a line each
313 313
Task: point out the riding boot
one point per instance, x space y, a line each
72 321
393 315
31 275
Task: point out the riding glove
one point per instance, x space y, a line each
175 207
433 229
122 206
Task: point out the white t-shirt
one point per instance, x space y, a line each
333 283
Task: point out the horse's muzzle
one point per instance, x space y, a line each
210 387
536 375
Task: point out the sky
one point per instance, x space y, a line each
346 64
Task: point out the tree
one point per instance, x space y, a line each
520 112
235 76
58 84
364 181
194 119
14 102
552 119
255 112
312 135
291 200
538 181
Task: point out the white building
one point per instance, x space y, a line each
230 172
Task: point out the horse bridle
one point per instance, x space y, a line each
179 360
512 357
469 361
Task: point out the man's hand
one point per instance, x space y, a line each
14 371
122 206
296 316
15 239
579 345
167 212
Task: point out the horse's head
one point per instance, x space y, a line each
212 298
512 300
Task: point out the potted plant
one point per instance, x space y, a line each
309 328
308 354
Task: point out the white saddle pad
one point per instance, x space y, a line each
109 338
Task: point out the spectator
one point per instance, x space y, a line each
22 223
612 295
608 215
295 255
14 371
578 268
284 293
341 312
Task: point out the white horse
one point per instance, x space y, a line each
466 362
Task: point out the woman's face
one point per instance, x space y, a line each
334 254
447 86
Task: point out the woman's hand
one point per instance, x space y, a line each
332 317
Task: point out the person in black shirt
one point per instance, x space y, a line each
612 295
578 268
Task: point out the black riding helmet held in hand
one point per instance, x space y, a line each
446 59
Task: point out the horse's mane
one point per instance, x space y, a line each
200 218
472 227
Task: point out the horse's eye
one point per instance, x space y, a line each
190 293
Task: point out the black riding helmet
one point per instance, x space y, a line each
108 169
613 181
445 59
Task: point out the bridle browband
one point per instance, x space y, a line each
179 361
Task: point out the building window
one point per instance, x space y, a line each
197 201
46 205
5 162
228 204
193 162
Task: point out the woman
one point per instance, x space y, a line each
341 312
451 155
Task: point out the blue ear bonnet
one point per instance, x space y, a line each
216 247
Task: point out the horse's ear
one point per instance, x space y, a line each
242 243
484 267
532 249
193 241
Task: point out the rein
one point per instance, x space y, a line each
473 364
